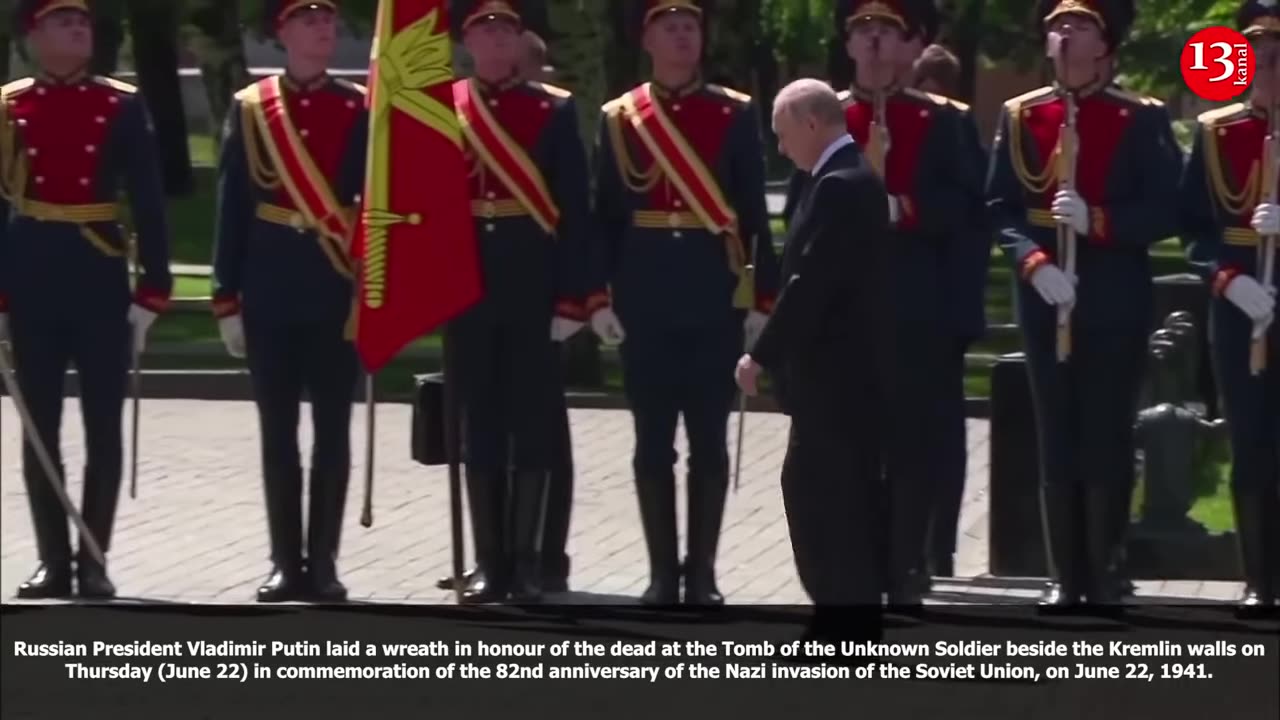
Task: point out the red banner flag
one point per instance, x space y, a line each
415 242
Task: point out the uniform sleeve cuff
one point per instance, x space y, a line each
764 304
154 300
596 301
570 310
908 216
1222 279
1033 263
226 306
1099 226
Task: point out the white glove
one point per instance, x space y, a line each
1068 207
1266 219
231 328
140 320
753 326
606 325
1055 286
563 328
1251 297
895 210
4 327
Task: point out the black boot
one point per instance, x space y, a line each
101 496
555 535
657 495
52 579
324 533
1101 546
1257 548
705 517
287 580
529 508
446 582
486 495
1062 510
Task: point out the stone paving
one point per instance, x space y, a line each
196 531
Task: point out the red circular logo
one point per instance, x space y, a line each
1218 63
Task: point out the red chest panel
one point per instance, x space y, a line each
1239 146
703 119
323 118
1100 125
523 115
909 122
62 130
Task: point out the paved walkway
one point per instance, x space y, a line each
197 533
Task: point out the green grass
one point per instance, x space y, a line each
188 286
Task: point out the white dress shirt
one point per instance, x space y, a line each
835 145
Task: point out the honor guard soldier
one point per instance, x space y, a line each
910 138
1230 223
530 193
291 168
681 210
1082 178
966 263
68 142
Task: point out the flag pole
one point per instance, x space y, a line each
366 514
452 436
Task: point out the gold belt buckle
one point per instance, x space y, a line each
674 220
490 209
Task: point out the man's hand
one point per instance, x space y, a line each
753 326
1266 219
747 374
563 328
1068 207
1055 286
231 328
140 320
1253 300
606 325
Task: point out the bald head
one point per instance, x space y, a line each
807 117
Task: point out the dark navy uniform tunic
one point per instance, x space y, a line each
671 281
930 170
1220 189
1126 172
507 361
294 291
66 149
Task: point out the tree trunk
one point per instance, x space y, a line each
220 48
154 27
964 38
108 36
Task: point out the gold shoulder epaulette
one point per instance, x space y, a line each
935 99
1217 116
844 95
738 97
352 86
614 106
117 85
17 87
248 92
1133 97
1040 94
552 90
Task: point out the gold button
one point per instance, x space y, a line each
113 99
1222 131
83 88
39 91
39 179
31 152
728 110
415 218
493 103
924 113
84 181
491 195
100 119
676 202
673 220
545 104
304 102
303 132
90 148
1124 112
676 107
351 104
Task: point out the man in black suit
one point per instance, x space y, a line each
825 347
